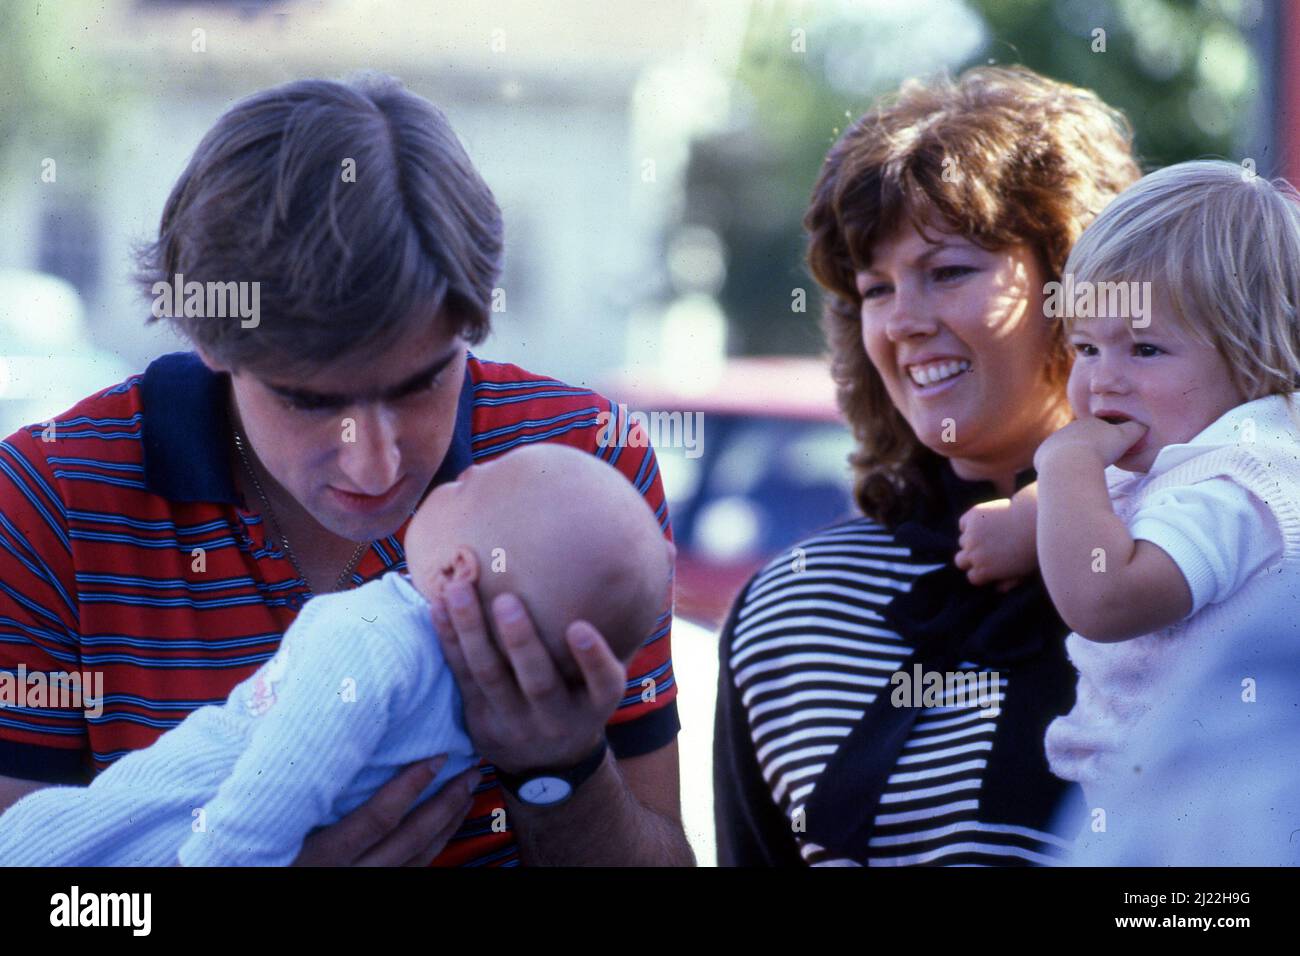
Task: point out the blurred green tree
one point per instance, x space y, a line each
48 95
1184 71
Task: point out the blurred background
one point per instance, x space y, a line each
652 161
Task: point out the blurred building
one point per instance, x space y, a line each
579 116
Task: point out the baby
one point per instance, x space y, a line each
1168 513
359 687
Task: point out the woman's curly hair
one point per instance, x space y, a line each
1002 155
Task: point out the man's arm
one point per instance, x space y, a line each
13 789
627 814
39 623
521 715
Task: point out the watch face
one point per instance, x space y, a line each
545 790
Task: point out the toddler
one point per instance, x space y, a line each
1168 514
359 688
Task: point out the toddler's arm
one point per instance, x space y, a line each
997 539
331 710
1105 585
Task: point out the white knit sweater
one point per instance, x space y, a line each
358 689
1256 446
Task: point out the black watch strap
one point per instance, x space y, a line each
548 786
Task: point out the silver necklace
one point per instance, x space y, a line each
275 525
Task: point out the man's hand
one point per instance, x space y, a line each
522 715
381 833
997 544
13 789
519 711
1089 440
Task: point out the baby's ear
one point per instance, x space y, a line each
463 566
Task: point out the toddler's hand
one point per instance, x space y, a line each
1090 436
996 545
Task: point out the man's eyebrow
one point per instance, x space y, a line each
406 386
421 378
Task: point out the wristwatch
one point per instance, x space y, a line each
551 786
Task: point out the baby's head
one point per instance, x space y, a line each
561 529
1183 302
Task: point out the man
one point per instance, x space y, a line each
164 533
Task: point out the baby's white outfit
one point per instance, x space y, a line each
358 689
1225 506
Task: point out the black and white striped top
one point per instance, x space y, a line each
805 653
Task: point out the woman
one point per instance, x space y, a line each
937 220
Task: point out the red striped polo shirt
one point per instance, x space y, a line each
100 531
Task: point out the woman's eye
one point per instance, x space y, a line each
943 273
1081 348
874 291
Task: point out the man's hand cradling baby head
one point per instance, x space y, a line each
559 528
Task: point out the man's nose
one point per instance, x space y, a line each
369 454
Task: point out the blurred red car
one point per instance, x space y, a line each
770 465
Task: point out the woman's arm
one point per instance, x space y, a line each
750 828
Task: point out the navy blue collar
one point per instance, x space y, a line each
186 432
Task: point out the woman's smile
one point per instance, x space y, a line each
934 377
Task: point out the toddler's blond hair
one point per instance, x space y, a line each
1223 246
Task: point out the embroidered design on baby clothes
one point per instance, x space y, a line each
262 697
